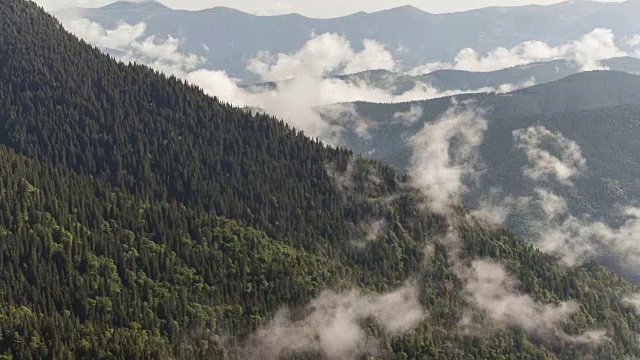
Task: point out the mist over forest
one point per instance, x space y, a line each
397 184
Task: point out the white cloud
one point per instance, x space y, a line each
550 155
276 9
491 289
633 300
553 206
435 169
410 116
332 323
299 101
587 52
163 55
575 238
444 154
579 238
374 229
302 101
322 55
507 88
374 56
633 41
119 38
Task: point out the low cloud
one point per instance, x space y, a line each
491 289
308 99
553 206
410 116
507 88
556 160
332 324
444 154
587 52
356 184
374 229
494 293
163 55
119 38
491 212
633 300
577 239
550 155
128 40
300 101
322 55
438 166
343 180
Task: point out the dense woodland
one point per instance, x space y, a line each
140 218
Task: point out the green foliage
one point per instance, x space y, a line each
140 218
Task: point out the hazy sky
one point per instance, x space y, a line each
313 8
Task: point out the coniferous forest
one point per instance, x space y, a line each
142 219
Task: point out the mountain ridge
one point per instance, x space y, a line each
596 112
410 9
409 29
140 218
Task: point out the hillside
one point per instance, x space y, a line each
583 91
539 73
596 110
504 80
405 28
140 218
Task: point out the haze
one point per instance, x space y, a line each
324 9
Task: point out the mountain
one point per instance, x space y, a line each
596 110
583 91
140 218
538 73
415 36
503 80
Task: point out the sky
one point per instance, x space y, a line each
311 8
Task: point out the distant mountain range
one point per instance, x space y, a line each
466 81
413 35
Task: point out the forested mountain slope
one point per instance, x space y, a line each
140 218
598 111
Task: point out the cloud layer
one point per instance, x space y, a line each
586 52
300 100
444 152
309 88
